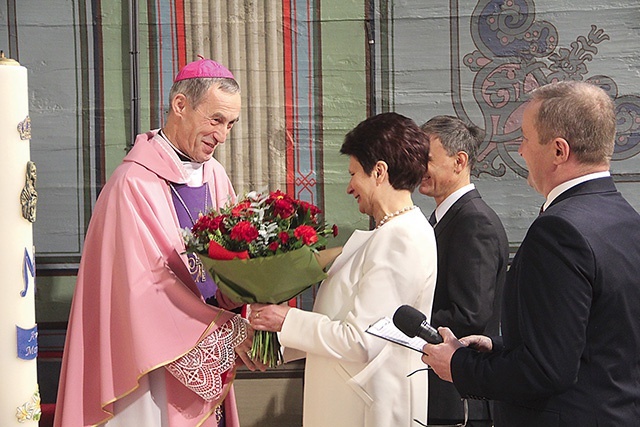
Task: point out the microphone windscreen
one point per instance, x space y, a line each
408 320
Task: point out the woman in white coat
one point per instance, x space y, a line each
353 378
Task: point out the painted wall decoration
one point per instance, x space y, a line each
310 70
303 111
479 59
516 51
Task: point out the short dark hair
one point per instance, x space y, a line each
395 139
455 136
581 113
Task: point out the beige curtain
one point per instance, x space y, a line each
246 36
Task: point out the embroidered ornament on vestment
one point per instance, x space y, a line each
200 370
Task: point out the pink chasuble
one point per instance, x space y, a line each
136 308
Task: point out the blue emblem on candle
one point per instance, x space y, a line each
27 342
29 268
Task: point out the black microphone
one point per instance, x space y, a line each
413 323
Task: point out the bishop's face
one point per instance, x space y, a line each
208 124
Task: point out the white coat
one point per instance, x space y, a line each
353 378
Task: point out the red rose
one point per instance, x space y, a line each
208 223
283 205
307 234
244 231
278 195
274 245
283 208
284 237
334 230
217 223
308 207
240 209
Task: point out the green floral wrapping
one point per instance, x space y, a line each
272 279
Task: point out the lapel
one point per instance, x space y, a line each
593 186
454 209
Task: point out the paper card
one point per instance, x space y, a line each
384 328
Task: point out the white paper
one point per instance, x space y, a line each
384 328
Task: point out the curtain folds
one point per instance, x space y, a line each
247 37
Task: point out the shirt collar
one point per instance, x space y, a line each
183 157
443 208
553 194
194 170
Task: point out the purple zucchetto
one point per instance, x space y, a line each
203 68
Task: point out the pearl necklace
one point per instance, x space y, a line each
388 217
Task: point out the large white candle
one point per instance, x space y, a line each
19 398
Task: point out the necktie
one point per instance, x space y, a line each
432 219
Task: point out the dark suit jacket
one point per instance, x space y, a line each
571 319
473 252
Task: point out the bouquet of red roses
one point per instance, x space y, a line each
265 248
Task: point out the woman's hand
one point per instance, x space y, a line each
268 317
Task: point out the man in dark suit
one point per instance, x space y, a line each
570 348
473 253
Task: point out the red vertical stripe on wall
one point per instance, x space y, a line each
181 34
288 102
288 94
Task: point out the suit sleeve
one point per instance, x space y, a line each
468 274
551 289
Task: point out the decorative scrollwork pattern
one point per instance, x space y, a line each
516 53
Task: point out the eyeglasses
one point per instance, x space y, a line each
465 409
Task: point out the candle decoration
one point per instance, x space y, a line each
18 330
29 269
24 129
29 195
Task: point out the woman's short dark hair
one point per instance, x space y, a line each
395 139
